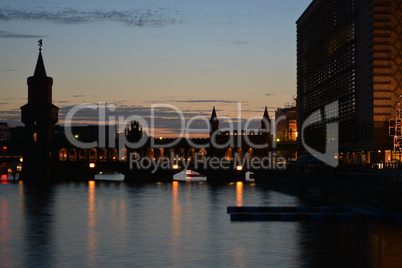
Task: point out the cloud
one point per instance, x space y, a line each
130 18
166 120
62 101
82 95
13 118
207 101
9 70
5 34
269 94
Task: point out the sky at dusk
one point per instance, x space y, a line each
190 54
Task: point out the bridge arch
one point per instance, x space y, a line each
160 153
93 155
229 154
240 153
135 154
63 154
103 154
203 153
113 154
182 154
150 153
171 151
82 154
123 154
191 154
250 153
72 154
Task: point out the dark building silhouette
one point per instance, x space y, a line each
213 122
39 116
5 133
90 133
286 132
350 51
225 144
134 132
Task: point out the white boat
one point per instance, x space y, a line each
189 176
109 177
249 177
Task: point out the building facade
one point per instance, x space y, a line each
286 128
286 132
350 52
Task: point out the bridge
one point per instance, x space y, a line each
228 158
223 156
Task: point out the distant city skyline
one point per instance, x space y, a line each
191 54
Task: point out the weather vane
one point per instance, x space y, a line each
40 44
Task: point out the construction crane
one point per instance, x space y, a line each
395 128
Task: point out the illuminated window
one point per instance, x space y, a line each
35 137
63 154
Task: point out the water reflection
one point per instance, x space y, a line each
239 257
335 244
175 224
239 193
38 222
385 242
5 235
176 221
92 239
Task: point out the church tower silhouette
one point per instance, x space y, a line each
266 130
39 116
213 122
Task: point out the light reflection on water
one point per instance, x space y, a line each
92 239
175 224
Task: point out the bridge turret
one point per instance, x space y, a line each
39 116
265 122
134 131
266 131
213 122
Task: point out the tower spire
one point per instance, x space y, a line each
265 121
266 115
213 115
40 70
213 122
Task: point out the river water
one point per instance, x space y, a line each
105 224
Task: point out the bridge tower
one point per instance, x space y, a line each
39 116
213 133
266 130
213 122
134 132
